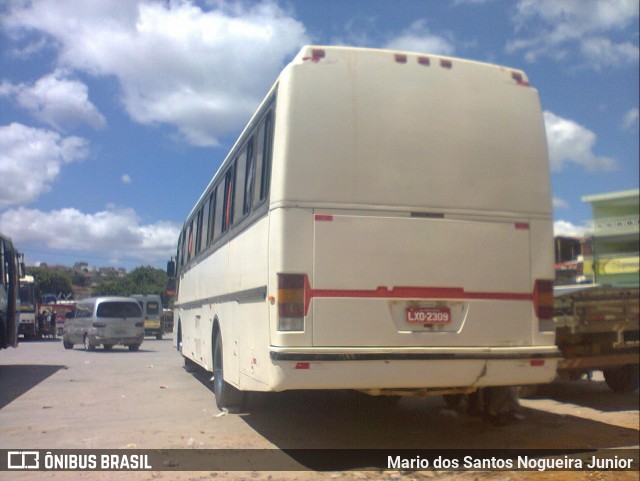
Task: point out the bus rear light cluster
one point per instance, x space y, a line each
543 299
291 302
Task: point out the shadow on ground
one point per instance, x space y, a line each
18 379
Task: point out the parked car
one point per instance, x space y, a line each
105 321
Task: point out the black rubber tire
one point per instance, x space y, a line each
134 347
622 379
87 343
227 397
107 347
67 344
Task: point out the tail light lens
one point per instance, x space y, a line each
543 299
291 302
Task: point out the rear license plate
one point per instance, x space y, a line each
428 315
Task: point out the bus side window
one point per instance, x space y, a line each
219 210
183 251
228 200
197 233
249 179
190 242
238 202
212 212
259 157
265 178
204 227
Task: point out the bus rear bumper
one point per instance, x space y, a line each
427 368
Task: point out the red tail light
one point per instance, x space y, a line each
291 302
543 299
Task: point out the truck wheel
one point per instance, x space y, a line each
159 336
107 347
66 343
622 379
134 347
227 396
87 343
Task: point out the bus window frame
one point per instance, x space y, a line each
264 125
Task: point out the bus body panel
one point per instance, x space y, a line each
373 132
385 375
361 263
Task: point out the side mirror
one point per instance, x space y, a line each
171 269
171 287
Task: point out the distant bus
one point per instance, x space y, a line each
382 224
9 293
28 323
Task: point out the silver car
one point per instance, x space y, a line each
105 321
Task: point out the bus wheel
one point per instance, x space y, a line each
134 347
622 379
227 396
66 343
87 343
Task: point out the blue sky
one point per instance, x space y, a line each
114 114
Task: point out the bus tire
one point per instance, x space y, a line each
227 397
623 379
66 343
134 347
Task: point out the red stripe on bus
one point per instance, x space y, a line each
420 293
383 292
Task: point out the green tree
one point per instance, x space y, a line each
142 280
50 282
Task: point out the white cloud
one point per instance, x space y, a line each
203 72
564 228
630 121
31 159
114 233
126 179
559 203
61 103
570 142
417 38
553 28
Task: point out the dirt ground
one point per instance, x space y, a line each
58 399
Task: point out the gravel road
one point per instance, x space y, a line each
53 398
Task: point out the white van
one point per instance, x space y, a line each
152 311
105 321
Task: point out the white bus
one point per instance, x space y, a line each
382 224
